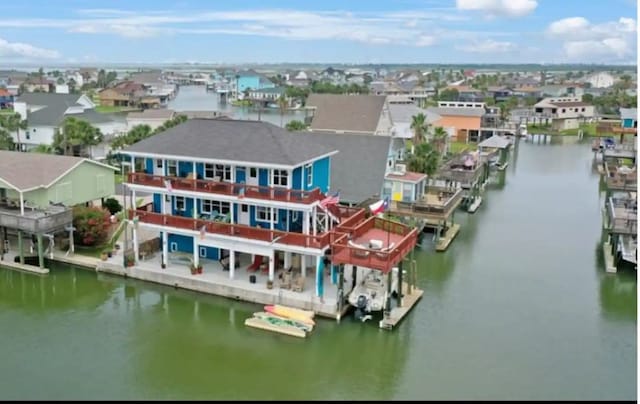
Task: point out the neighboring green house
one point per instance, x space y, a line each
37 191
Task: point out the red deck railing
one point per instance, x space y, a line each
343 253
227 188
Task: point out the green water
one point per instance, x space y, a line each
518 308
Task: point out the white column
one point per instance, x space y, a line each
21 203
287 260
272 266
315 221
196 251
232 208
318 275
195 176
232 263
272 221
305 222
165 247
136 248
303 265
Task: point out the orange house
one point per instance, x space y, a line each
463 125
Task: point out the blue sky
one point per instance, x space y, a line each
374 31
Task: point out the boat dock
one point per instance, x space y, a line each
409 299
447 237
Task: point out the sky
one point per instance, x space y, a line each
331 31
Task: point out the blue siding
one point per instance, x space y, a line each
185 244
263 177
280 225
148 166
157 200
321 174
627 123
297 176
184 168
200 170
241 175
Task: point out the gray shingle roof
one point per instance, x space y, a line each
233 140
55 107
31 170
349 113
459 111
628 113
359 167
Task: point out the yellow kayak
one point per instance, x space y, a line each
303 316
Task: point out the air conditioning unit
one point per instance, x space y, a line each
401 168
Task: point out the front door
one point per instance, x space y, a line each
158 167
252 176
243 215
168 206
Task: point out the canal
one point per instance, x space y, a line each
519 307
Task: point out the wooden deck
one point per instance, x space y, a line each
398 313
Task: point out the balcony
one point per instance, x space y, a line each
607 129
620 178
35 220
623 215
227 188
394 241
457 171
437 203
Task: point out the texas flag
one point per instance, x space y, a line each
379 206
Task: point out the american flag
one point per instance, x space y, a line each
167 184
203 231
330 200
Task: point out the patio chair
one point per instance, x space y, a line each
383 253
358 250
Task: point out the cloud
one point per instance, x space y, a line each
584 41
372 28
499 8
25 51
425 40
488 46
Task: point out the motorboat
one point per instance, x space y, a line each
370 295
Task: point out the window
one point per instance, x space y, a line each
309 169
263 214
209 171
253 172
173 246
244 208
209 206
158 163
28 135
387 190
564 110
179 204
280 178
172 168
222 171
582 109
203 252
294 216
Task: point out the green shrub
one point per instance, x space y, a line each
92 225
112 205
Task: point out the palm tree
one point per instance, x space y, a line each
440 139
424 159
282 104
419 126
13 123
6 141
76 133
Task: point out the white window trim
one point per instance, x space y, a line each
170 164
212 207
204 171
184 203
274 219
225 168
173 246
203 252
308 169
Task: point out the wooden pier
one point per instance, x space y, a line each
398 313
447 237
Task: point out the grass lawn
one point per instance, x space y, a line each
6 112
459 147
589 129
108 110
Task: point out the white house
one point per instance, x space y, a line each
45 113
564 112
600 80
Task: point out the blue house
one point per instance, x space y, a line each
250 79
251 178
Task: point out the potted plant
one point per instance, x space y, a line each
194 269
200 270
129 261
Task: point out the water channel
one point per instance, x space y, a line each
519 307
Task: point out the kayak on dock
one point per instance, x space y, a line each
304 316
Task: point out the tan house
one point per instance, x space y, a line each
363 114
564 112
126 94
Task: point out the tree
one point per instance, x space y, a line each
91 225
112 205
489 101
282 105
448 94
13 123
6 141
74 135
419 126
295 125
530 101
439 139
60 80
587 98
136 134
424 159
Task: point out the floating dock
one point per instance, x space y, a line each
398 313
264 325
475 205
448 237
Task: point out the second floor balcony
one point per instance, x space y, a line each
623 215
620 178
436 203
34 220
238 190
